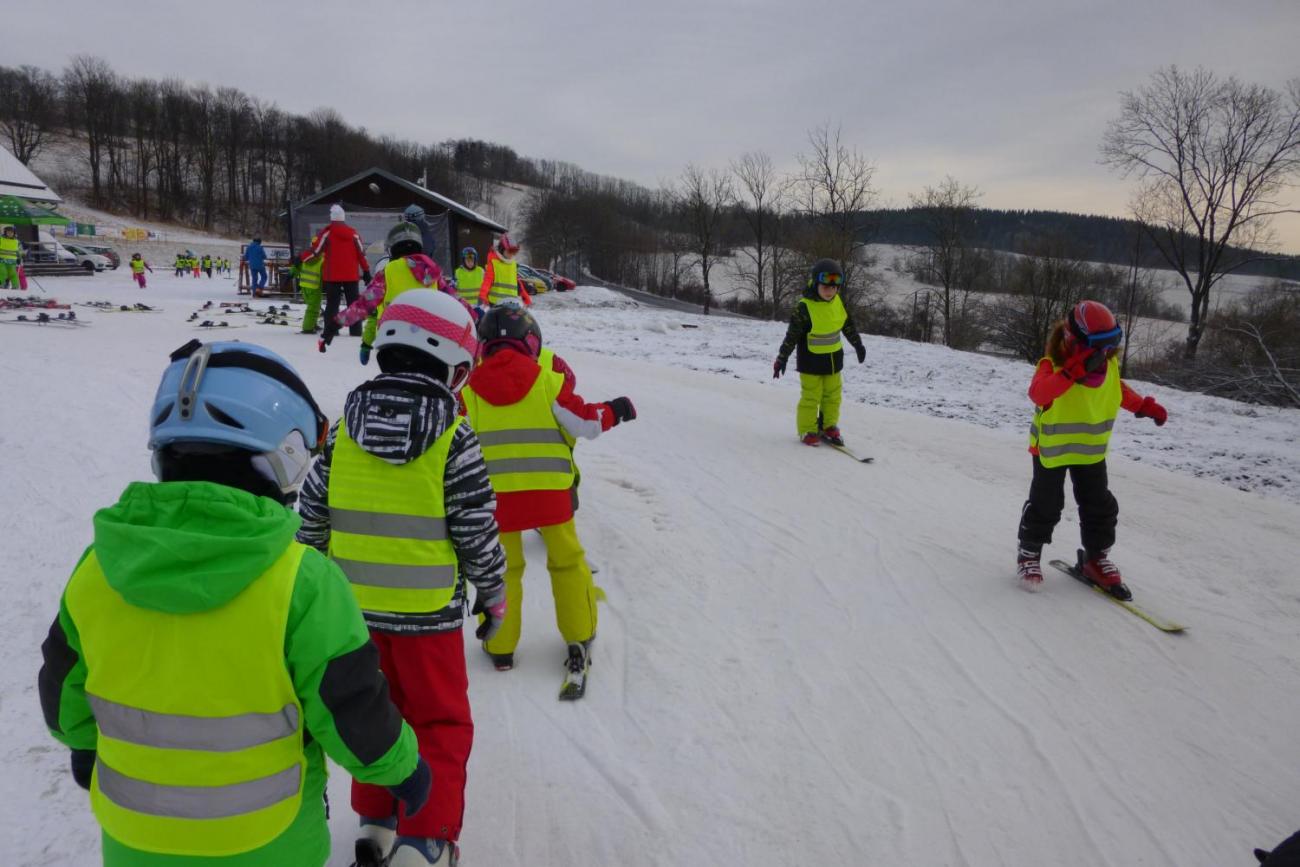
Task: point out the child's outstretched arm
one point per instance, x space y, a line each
1142 407
366 304
313 499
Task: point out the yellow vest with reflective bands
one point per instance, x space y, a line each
468 283
388 527
397 279
523 445
505 281
200 748
309 274
828 318
8 251
1075 429
137 266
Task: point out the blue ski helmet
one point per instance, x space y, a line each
469 252
238 395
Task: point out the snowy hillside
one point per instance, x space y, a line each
802 659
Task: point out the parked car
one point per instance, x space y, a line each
90 261
558 283
113 257
48 251
534 282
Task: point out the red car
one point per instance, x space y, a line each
558 283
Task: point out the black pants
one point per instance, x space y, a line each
332 292
1098 509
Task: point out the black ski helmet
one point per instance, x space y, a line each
511 326
823 266
404 240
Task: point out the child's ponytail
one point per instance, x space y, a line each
1056 344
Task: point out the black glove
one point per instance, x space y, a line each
623 409
778 367
83 763
413 792
365 354
862 353
493 609
365 277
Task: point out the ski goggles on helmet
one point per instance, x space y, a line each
1108 340
829 278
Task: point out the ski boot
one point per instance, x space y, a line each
375 844
811 439
1101 571
576 666
832 435
1030 569
500 661
423 852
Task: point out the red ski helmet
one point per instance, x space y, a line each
1091 324
507 246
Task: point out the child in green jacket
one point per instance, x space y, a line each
203 663
815 327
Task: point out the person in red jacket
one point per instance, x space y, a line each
522 413
345 263
501 276
1077 392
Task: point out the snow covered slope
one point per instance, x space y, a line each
801 660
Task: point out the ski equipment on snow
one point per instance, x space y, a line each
577 665
1075 571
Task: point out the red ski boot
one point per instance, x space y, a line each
811 439
1105 574
832 436
1029 568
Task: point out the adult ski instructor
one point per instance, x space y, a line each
345 263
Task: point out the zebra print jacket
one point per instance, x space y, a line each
396 417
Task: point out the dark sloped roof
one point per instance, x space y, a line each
414 189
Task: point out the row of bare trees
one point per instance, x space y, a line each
167 150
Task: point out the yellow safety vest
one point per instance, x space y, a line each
468 283
828 318
309 274
505 281
397 279
200 748
523 445
137 265
1075 429
388 527
8 251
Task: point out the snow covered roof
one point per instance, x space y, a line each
17 180
328 194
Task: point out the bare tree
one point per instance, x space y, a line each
1213 157
764 193
29 110
834 191
706 197
90 85
946 214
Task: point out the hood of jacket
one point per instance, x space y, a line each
185 547
397 416
505 377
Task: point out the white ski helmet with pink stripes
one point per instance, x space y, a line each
434 323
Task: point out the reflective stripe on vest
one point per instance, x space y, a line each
8 251
200 747
388 528
197 802
523 445
468 283
828 318
1075 429
505 281
309 274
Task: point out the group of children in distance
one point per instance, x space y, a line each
195 265
212 646
1076 391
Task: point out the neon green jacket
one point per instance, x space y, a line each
193 546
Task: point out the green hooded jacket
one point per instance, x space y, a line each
193 546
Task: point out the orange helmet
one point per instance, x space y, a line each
1091 324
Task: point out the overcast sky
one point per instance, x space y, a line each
1010 96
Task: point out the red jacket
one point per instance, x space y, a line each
345 256
1049 383
489 277
504 378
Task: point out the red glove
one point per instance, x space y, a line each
1076 366
1152 410
778 367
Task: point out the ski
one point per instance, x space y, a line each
1154 619
66 320
575 675
840 447
216 326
